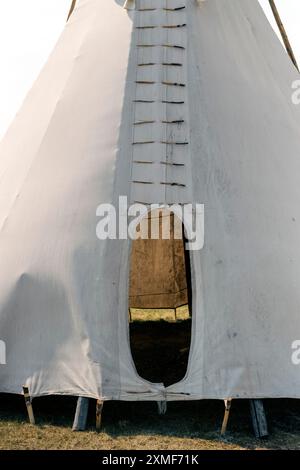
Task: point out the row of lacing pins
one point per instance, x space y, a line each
167 83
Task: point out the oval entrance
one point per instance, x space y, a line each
160 291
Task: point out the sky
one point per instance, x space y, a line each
29 30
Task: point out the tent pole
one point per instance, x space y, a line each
227 404
99 408
283 33
28 403
81 414
259 419
71 9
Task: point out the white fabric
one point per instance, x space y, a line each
63 293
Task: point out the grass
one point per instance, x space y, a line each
136 425
142 315
187 425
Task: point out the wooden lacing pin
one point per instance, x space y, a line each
172 164
174 9
173 26
146 45
28 403
173 45
179 185
139 123
146 142
172 102
178 121
145 82
226 416
142 182
146 27
167 142
99 409
173 84
172 64
143 101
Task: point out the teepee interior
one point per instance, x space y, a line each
160 302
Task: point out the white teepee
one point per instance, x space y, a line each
64 293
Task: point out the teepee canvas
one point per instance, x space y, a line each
165 101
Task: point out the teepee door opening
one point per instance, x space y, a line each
160 313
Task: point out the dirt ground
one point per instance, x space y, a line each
187 425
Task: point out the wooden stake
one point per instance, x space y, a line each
71 9
259 420
226 416
99 408
81 414
28 405
283 33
